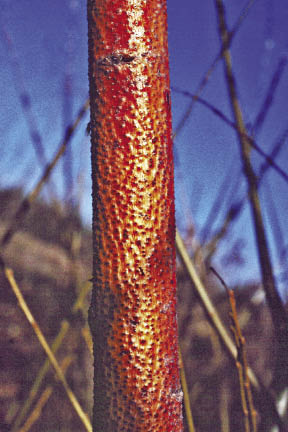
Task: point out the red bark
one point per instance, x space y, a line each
133 307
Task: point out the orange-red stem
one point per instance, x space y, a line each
133 308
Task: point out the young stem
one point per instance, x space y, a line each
132 314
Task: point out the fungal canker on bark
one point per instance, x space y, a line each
133 307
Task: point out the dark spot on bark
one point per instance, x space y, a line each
116 59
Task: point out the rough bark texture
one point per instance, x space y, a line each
133 309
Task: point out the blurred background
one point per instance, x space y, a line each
43 85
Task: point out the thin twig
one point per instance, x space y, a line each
39 378
36 413
82 415
244 134
187 406
43 399
241 362
209 308
278 312
28 200
215 207
211 68
23 96
275 225
237 206
262 114
272 156
85 331
64 327
265 398
233 212
224 409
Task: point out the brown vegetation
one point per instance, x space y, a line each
46 270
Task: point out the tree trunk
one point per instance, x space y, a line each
133 309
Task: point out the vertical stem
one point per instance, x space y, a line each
188 411
278 313
133 308
224 407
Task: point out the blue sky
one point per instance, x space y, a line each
48 42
